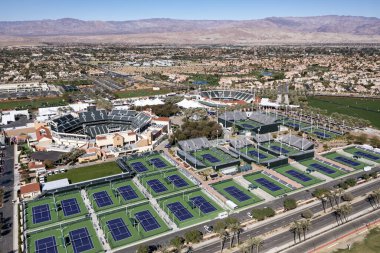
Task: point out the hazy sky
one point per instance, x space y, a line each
181 9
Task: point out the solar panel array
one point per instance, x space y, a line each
237 193
202 204
80 240
147 221
179 211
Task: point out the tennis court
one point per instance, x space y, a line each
321 133
168 181
267 184
148 163
131 225
126 192
236 193
247 124
190 208
255 154
212 156
70 205
78 237
41 212
297 175
325 169
364 153
102 197
350 162
283 149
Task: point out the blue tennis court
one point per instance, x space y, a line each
179 211
322 168
294 125
298 175
156 185
46 245
268 184
245 125
202 204
321 135
177 181
256 153
237 193
279 149
210 158
158 163
80 240
41 213
346 160
118 229
127 192
102 199
70 207
139 167
147 221
366 155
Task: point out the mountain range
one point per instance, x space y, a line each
273 30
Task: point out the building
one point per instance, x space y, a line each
23 87
30 191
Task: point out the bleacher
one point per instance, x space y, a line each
240 143
194 144
262 137
233 116
262 118
296 141
228 95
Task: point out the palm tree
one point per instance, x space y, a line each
250 243
346 210
375 196
258 242
223 234
235 228
339 193
305 224
296 229
329 195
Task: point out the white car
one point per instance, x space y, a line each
250 215
208 229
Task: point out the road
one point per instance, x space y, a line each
6 240
271 225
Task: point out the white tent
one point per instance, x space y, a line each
145 102
189 104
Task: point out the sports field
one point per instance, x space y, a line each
365 108
70 205
190 208
124 227
78 237
40 212
248 124
236 193
267 184
147 163
297 175
212 156
366 154
252 152
325 169
350 162
284 149
32 104
88 172
294 123
321 133
161 183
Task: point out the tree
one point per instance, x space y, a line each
296 229
307 214
305 225
235 228
347 196
290 204
361 139
351 182
320 193
142 249
256 242
49 164
177 242
193 236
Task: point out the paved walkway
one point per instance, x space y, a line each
16 187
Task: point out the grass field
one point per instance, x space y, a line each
145 160
88 173
284 170
336 174
254 176
140 93
227 183
352 163
274 144
247 149
57 233
372 156
217 153
32 104
197 214
365 108
137 232
161 176
371 244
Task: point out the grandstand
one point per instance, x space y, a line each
97 122
296 141
228 95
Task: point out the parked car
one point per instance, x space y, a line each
208 228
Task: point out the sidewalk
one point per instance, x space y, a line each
15 205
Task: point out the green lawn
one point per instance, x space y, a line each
197 215
137 232
57 233
336 174
373 156
352 164
370 244
365 108
140 93
264 156
88 173
161 176
145 160
32 104
252 177
285 170
220 187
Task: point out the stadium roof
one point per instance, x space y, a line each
190 104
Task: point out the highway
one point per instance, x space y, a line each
267 225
